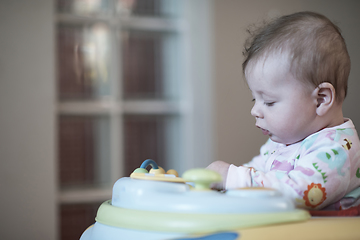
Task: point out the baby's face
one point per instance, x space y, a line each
283 107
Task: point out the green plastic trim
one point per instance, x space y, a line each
190 223
140 170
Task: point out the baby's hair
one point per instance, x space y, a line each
315 47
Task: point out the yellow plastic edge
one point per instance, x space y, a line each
157 177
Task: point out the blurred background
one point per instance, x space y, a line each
89 89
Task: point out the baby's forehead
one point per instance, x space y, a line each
279 59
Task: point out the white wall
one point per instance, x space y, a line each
238 140
27 172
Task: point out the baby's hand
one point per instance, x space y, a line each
221 168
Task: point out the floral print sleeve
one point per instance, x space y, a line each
315 173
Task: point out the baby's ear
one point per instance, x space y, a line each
325 97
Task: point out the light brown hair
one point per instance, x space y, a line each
316 49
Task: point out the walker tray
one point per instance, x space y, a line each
159 205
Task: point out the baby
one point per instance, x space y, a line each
297 69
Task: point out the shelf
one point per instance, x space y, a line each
87 107
151 24
83 195
150 107
127 22
77 19
111 107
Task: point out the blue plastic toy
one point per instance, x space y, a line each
158 205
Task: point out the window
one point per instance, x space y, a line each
124 95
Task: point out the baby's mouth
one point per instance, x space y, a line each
264 131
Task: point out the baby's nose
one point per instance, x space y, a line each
256 112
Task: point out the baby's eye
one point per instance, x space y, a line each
269 104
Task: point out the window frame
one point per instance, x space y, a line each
194 106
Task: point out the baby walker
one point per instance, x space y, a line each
158 205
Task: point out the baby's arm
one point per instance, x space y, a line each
221 168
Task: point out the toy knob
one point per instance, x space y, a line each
172 172
140 170
160 170
202 178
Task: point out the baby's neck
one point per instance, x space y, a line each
334 117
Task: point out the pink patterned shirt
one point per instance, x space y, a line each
317 172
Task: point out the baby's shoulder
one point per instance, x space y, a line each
335 139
